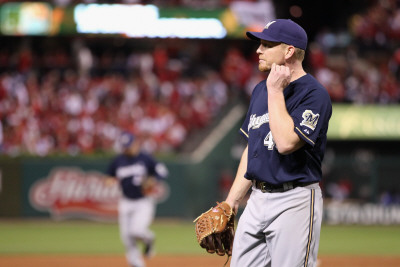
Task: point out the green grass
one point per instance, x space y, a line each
59 237
355 240
173 237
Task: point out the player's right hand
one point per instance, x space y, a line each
278 78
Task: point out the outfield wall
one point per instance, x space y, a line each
33 187
74 187
360 184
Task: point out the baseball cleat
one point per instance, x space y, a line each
149 249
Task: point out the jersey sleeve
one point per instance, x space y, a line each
244 129
312 115
112 169
161 170
157 169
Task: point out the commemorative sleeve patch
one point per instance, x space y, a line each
310 119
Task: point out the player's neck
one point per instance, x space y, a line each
297 73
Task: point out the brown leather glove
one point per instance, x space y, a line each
149 186
215 229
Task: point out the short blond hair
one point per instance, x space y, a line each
299 54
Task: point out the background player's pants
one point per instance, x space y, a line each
135 217
279 229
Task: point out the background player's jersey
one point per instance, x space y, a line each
131 171
309 105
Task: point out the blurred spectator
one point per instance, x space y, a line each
340 190
83 57
390 197
1 135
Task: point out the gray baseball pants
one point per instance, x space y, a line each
135 218
279 229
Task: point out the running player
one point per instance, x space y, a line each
136 210
285 127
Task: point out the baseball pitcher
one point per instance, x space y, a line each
286 130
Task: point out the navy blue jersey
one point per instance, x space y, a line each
131 171
309 105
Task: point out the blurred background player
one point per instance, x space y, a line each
135 171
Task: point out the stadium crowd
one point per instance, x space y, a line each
78 103
361 64
75 96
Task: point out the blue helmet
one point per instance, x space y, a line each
126 139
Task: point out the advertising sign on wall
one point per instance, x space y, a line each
361 122
70 192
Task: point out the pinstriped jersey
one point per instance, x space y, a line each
309 105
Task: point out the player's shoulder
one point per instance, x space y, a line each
146 156
119 157
312 86
117 161
261 86
263 83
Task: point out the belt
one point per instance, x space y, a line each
271 188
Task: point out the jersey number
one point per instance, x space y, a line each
269 141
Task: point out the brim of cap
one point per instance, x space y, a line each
261 36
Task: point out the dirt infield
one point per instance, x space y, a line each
178 261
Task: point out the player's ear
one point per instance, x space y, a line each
289 51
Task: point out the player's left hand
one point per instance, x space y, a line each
278 78
215 229
156 189
149 185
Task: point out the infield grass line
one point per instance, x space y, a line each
172 237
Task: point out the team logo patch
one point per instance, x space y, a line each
269 24
310 119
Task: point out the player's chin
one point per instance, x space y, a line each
263 67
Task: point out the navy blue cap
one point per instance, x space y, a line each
282 31
126 139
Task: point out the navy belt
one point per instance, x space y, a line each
271 188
